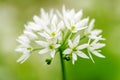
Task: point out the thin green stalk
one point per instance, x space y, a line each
62 66
82 37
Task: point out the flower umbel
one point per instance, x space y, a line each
61 32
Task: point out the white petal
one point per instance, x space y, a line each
90 56
28 27
54 20
57 45
23 58
91 25
97 39
23 40
96 53
67 24
98 45
60 26
83 46
81 28
72 22
81 54
74 57
52 53
20 49
30 35
43 13
72 13
46 28
70 44
45 35
67 51
32 26
93 37
59 14
76 40
64 10
51 13
82 24
42 43
36 19
78 15
96 32
43 51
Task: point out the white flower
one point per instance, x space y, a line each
53 29
59 32
48 47
73 20
94 48
25 48
92 34
75 50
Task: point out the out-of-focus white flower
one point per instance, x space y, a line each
59 32
75 50
25 48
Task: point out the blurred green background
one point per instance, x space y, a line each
15 13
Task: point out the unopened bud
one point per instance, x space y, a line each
48 61
67 58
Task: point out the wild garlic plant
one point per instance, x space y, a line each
61 32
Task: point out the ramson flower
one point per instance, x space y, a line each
60 32
93 48
25 48
75 49
53 29
92 34
73 20
48 47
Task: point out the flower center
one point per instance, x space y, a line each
30 49
53 34
72 28
74 49
51 46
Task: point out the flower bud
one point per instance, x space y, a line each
67 57
48 61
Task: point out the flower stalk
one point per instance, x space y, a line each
62 65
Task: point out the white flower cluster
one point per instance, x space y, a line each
65 33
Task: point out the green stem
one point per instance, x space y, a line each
36 49
62 66
69 34
82 37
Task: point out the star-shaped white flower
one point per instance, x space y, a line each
73 20
94 48
53 30
75 49
25 48
48 47
92 34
